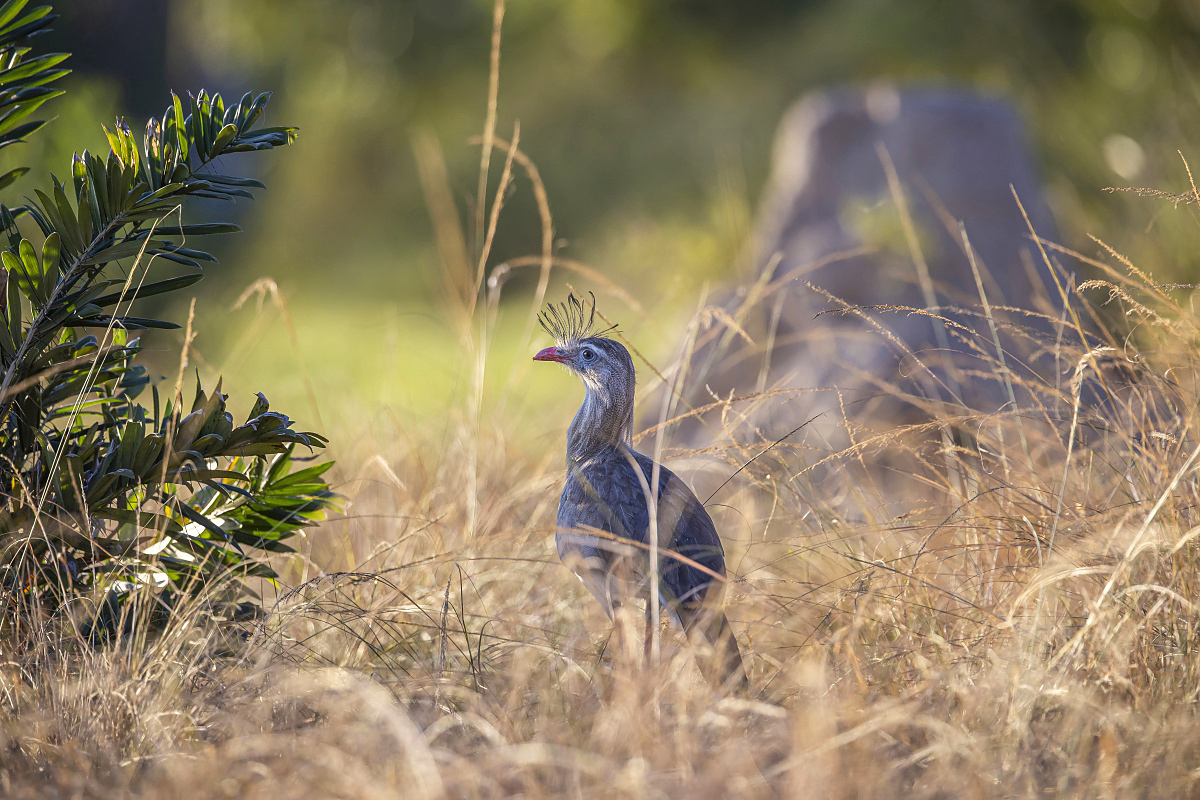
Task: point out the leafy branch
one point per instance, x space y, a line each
102 495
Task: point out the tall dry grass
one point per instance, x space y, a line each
1016 617
1026 626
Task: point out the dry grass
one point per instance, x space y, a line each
1027 625
962 605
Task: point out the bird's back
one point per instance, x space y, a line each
604 492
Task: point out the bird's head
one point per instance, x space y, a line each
603 365
598 362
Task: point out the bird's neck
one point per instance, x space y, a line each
604 420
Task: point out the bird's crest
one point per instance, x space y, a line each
571 321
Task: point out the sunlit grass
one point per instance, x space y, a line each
1027 627
961 604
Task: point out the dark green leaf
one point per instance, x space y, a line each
10 177
150 289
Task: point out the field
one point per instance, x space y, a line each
1025 625
955 605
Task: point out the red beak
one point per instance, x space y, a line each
551 354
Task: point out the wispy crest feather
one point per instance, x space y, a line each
571 321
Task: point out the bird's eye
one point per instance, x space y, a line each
587 354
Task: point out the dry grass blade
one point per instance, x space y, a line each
1187 198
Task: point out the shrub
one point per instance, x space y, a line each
106 498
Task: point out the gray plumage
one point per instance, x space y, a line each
603 517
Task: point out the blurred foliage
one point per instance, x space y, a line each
651 125
651 122
103 495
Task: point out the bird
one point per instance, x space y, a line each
603 524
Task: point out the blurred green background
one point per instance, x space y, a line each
651 122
